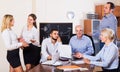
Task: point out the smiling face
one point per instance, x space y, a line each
12 22
30 20
107 9
107 35
103 37
79 31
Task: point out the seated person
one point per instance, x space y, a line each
107 58
49 45
80 43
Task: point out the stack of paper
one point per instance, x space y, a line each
78 62
52 63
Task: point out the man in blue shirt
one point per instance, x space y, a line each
80 43
109 20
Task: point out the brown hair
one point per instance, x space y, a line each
34 18
112 6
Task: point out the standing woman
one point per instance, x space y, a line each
12 44
30 34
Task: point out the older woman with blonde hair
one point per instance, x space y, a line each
12 44
107 58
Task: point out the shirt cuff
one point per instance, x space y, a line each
19 44
92 62
85 56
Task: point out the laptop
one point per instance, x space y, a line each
65 52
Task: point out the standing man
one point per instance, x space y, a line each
109 20
49 45
80 43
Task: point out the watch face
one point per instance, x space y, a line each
70 15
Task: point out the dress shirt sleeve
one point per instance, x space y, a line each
89 46
94 58
44 50
70 43
59 43
36 37
108 59
113 22
8 41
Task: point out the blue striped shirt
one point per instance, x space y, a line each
106 58
82 45
109 21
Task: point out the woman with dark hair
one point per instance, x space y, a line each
30 34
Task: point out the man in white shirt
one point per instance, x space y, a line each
49 45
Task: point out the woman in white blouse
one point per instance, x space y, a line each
107 58
30 34
12 44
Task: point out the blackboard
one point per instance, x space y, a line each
65 31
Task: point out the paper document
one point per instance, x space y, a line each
81 69
78 62
52 63
65 51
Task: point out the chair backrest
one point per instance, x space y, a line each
119 65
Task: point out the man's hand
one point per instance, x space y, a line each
49 58
59 39
78 55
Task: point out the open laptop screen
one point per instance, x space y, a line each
65 51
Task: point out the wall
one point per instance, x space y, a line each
56 10
19 9
47 11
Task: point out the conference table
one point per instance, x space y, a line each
50 68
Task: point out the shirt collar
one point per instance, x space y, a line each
109 15
80 38
109 44
31 28
51 40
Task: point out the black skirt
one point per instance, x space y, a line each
31 54
14 58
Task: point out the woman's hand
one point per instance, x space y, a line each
32 40
24 43
20 39
87 61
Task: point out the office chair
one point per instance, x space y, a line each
119 65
